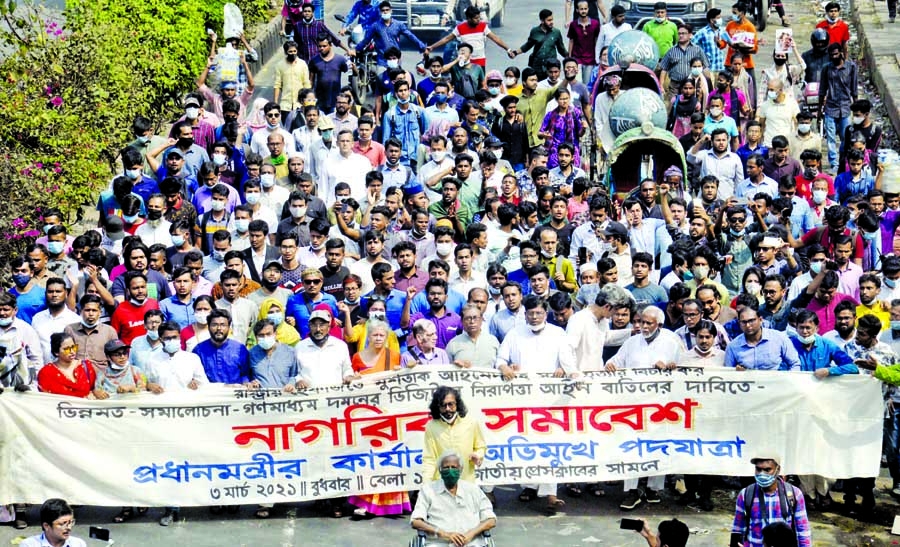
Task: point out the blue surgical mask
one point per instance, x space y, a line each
252 198
688 275
55 247
869 236
386 16
21 279
143 140
172 346
133 174
765 480
889 283
440 98
737 233
815 267
6 321
153 335
403 101
47 228
177 240
736 17
895 325
131 219
266 342
393 63
242 225
276 317
807 339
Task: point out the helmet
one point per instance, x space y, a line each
819 39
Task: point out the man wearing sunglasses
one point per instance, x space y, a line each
305 298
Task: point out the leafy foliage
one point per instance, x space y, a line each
72 89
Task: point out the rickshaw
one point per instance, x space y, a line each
633 75
644 152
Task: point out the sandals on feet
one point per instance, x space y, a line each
262 513
553 507
574 490
597 491
20 524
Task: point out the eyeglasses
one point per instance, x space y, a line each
273 115
312 281
70 349
67 524
769 291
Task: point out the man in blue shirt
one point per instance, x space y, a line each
301 304
759 348
404 123
817 354
395 301
180 306
225 361
30 297
387 33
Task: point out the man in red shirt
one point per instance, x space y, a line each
811 162
836 218
837 29
128 319
474 32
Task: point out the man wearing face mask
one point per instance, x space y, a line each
291 75
805 138
778 112
675 65
656 347
386 34
707 39
862 124
450 511
837 92
173 369
182 139
451 428
203 132
537 347
770 499
156 229
345 166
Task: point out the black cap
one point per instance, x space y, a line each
493 142
274 264
114 227
616 229
114 345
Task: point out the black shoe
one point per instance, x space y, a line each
652 496
687 498
633 500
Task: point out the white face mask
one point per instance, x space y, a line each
752 288
201 317
804 128
444 249
192 113
298 212
267 180
715 112
217 206
219 159
772 94
858 120
538 328
252 198
819 196
438 156
510 82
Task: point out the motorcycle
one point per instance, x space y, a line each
365 69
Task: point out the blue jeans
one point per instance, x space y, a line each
830 136
891 444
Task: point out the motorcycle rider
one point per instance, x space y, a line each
367 13
816 58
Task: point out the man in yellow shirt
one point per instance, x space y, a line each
451 428
869 287
291 75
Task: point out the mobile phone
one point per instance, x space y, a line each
631 524
582 255
96 532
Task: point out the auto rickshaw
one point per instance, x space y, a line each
644 152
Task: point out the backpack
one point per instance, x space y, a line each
205 239
786 499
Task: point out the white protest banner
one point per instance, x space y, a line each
224 446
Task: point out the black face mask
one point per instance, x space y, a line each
153 214
721 87
780 61
837 60
270 285
291 58
186 142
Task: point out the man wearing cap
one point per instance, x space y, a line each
345 166
192 153
322 359
474 32
661 29
228 88
767 260
301 304
203 131
770 499
616 235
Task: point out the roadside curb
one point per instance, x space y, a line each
877 41
266 43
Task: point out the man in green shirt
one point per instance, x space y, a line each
451 208
663 31
533 105
546 41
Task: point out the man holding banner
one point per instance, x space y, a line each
537 347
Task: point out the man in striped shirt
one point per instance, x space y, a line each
676 64
769 500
